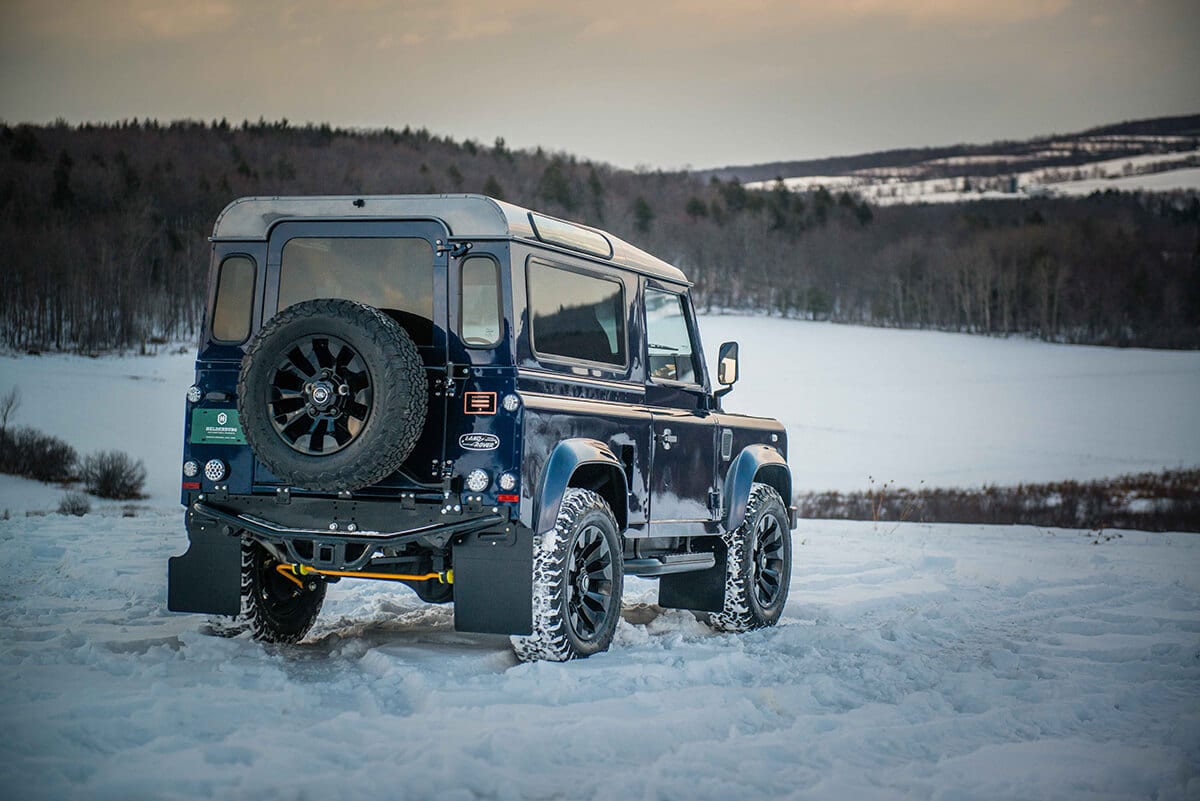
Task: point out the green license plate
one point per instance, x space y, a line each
217 427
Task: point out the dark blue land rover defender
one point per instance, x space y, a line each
498 408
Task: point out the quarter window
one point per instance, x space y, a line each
668 341
235 296
480 320
392 274
576 316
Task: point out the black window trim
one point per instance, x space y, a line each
692 332
212 315
499 301
552 358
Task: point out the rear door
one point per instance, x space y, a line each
393 266
684 433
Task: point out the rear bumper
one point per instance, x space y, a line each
492 557
334 548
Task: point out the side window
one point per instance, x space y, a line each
235 298
576 316
393 274
480 317
668 342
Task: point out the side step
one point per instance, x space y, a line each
670 563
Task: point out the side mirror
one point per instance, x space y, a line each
727 364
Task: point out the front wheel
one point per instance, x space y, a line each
759 565
577 582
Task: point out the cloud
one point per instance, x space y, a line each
120 20
932 12
167 20
719 20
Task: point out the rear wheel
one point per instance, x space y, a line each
274 607
577 582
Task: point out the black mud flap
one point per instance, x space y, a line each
700 590
208 577
493 582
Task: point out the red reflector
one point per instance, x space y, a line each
508 498
191 485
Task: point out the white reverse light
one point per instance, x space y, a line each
194 394
478 480
511 402
507 482
214 470
191 468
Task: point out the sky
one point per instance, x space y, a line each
635 83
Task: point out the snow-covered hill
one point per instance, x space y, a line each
1002 177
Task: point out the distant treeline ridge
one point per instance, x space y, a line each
103 234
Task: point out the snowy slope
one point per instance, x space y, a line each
914 661
903 406
959 410
1151 172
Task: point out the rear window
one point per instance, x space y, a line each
576 316
235 296
393 274
480 313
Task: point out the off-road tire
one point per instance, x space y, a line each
398 385
274 609
559 634
765 524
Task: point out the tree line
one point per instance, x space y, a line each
103 234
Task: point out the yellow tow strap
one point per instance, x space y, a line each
290 572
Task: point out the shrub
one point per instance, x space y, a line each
114 474
30 453
74 503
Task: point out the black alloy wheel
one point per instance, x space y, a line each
758 565
590 583
321 395
769 560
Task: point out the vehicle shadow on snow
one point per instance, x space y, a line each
426 633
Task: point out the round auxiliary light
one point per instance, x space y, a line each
214 470
507 482
478 480
190 468
194 394
511 402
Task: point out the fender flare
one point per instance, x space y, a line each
760 463
565 460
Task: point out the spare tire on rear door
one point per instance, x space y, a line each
332 395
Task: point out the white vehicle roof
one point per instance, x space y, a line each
466 217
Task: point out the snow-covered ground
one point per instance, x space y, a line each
913 661
959 410
859 404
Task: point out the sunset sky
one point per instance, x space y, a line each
657 83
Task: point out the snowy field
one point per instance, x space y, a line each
913 661
954 410
858 403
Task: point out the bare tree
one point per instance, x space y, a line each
8 406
